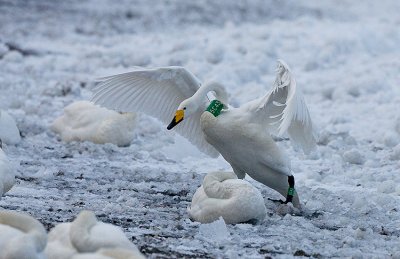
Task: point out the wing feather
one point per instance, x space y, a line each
156 92
283 110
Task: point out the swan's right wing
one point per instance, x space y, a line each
156 92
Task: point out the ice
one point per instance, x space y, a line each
388 186
353 156
215 231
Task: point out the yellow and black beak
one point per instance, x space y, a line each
178 118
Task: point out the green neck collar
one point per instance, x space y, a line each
215 108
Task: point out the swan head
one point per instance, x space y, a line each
192 104
185 109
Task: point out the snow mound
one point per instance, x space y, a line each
391 139
84 121
223 195
396 153
86 237
9 132
7 175
388 186
353 156
21 236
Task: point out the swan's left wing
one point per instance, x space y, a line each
283 109
156 92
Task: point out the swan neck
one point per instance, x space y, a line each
80 231
218 89
215 107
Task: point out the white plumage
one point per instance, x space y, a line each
21 236
7 174
223 195
241 135
86 237
156 92
283 109
84 121
9 132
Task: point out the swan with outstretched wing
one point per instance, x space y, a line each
243 136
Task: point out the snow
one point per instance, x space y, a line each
215 231
344 56
353 156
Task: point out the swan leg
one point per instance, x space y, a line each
290 192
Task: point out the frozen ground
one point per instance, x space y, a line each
344 54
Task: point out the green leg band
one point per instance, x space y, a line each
290 191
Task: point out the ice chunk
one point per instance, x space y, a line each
215 231
353 156
362 233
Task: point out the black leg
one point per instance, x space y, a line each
290 192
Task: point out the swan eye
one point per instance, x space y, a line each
184 108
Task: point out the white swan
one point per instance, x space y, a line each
223 195
241 135
7 175
86 237
83 121
9 133
59 244
21 236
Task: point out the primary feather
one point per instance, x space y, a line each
283 110
156 92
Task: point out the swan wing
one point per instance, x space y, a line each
283 110
156 92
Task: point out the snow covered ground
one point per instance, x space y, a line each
344 54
